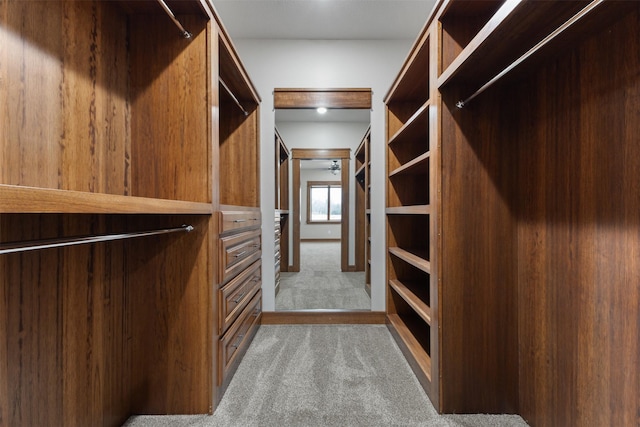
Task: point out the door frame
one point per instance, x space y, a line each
299 154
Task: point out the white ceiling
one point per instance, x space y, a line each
324 19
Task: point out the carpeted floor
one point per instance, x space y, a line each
320 284
325 375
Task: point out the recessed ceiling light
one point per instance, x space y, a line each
321 110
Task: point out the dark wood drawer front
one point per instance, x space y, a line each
235 342
237 252
237 293
237 221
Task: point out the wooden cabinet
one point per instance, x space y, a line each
240 297
108 131
234 343
363 208
530 116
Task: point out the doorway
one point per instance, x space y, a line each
316 143
342 157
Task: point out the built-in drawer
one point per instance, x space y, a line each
237 221
234 343
237 252
235 295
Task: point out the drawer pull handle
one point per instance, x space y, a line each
255 279
240 254
238 341
237 300
245 220
255 246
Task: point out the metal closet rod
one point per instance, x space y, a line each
224 85
578 16
8 248
186 34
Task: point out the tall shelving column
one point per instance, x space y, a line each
239 216
411 286
282 156
367 212
363 211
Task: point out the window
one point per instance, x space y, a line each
324 202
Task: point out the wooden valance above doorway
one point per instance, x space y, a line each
349 98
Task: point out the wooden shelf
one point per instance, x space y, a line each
19 199
415 258
409 210
360 170
413 82
419 306
462 20
417 353
415 126
419 165
497 45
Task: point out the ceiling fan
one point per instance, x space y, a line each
334 168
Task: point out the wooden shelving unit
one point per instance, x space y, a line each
363 208
497 150
240 239
108 127
409 216
282 157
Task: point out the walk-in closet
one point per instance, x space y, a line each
151 208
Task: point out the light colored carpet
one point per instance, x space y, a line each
320 256
322 290
320 284
325 375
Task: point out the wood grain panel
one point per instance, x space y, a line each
171 293
239 155
66 122
314 153
329 98
65 339
578 234
95 82
478 316
170 118
27 116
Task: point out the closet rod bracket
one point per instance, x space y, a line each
186 34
